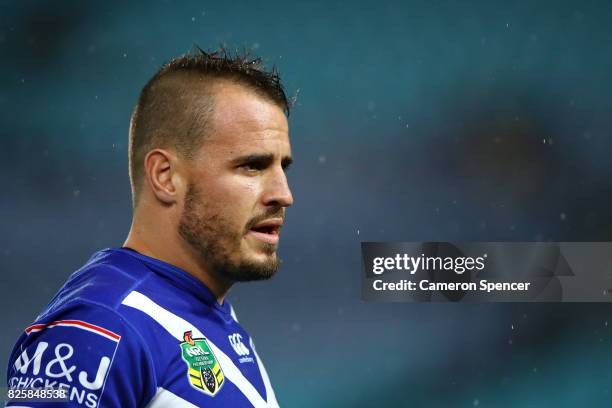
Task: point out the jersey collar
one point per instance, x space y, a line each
180 277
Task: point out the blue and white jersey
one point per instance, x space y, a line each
128 330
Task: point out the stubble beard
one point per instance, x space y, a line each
204 231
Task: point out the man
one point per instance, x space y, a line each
148 324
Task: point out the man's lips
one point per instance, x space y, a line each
267 230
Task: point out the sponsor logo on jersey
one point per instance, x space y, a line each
75 356
240 348
237 344
203 369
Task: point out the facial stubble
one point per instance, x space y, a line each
204 228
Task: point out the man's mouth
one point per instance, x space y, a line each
267 231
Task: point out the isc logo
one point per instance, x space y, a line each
237 344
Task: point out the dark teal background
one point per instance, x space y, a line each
415 121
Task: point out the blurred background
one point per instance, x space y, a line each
415 121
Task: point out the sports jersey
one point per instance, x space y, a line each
127 330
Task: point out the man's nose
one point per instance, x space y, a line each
277 191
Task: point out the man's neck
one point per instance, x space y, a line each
171 249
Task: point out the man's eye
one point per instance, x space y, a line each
251 167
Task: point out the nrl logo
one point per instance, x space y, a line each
203 369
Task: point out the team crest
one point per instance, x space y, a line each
203 369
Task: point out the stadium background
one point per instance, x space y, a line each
414 121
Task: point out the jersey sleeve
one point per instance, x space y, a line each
88 350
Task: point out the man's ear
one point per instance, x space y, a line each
161 173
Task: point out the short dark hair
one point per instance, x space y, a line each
170 112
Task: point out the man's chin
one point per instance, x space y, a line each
262 268
261 244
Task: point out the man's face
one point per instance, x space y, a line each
237 189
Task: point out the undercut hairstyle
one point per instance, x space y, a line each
175 107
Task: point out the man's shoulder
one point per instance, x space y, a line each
85 328
105 280
84 348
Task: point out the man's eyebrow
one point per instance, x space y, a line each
264 158
254 158
286 162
